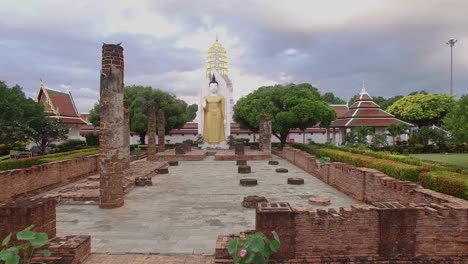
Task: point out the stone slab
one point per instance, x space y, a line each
249 155
186 210
170 155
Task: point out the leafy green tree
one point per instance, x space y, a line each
426 135
332 99
290 106
138 98
385 105
378 141
422 109
17 114
358 136
94 115
47 132
456 121
396 130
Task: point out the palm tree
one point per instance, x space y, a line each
396 130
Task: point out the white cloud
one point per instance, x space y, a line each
202 39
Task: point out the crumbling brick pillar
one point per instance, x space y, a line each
161 130
111 138
151 132
265 134
17 215
278 217
126 137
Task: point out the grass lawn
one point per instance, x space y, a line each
459 160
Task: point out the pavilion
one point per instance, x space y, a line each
363 112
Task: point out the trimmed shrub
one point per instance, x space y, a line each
28 162
71 144
92 139
447 182
392 168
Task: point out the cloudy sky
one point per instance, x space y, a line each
395 46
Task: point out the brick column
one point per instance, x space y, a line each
151 132
161 131
278 217
126 136
15 216
265 134
112 127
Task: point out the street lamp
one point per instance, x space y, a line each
451 42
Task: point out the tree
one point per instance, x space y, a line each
176 111
396 130
94 115
47 132
289 106
17 113
426 135
456 121
332 99
358 136
422 109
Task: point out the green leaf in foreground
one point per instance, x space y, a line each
232 247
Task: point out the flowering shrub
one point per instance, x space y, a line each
256 248
447 182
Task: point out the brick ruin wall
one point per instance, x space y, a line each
364 184
401 222
30 181
41 212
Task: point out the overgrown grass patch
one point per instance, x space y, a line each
456 160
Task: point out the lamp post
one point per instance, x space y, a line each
451 42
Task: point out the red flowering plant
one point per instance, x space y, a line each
256 248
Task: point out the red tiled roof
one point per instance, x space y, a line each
85 117
63 103
365 112
69 120
340 109
59 105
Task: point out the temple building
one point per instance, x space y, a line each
60 105
363 112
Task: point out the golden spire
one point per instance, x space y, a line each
217 59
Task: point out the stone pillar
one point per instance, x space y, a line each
334 137
126 136
265 134
343 136
239 148
328 135
110 163
151 132
161 131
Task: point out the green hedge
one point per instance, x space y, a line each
393 157
447 182
432 176
28 162
392 168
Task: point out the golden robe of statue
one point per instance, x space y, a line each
213 125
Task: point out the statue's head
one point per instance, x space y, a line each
213 85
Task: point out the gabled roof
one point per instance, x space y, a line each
58 104
365 112
339 108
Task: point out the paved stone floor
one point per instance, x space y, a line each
146 259
185 210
